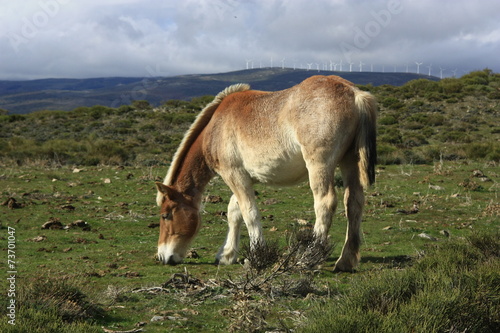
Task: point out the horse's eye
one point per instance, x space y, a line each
167 216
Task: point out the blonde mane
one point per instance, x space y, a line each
198 125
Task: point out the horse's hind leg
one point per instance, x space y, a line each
228 253
321 179
354 200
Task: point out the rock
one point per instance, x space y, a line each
157 318
192 254
80 224
426 236
445 233
38 239
302 222
478 173
53 223
68 207
11 203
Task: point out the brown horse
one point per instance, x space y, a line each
278 138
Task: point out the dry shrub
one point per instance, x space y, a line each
304 251
262 255
247 315
310 252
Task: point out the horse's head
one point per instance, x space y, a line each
179 223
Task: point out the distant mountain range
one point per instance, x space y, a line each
20 97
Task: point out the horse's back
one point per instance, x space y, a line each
265 133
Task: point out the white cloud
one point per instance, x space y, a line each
69 38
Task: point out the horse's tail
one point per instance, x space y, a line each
366 105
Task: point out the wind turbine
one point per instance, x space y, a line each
248 62
454 72
441 70
317 66
309 66
361 66
418 66
350 66
283 63
331 65
430 67
340 65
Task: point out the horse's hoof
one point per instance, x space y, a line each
338 269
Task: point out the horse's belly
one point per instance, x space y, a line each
280 171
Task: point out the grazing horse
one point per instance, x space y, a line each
278 138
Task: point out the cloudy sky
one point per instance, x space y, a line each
98 38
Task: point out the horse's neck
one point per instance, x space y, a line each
194 173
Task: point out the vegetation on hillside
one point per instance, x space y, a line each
454 288
419 122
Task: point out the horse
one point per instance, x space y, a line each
279 138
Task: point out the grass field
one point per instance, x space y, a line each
79 243
95 266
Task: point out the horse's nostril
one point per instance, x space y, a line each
171 261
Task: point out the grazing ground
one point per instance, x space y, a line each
79 226
85 242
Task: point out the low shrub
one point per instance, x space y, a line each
53 305
387 120
390 135
453 288
490 151
392 103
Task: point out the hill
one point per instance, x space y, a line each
21 97
419 122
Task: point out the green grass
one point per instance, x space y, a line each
107 264
429 200
454 287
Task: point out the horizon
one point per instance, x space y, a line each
249 69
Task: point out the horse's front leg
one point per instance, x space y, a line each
228 253
241 186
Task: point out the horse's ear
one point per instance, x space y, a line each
166 190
